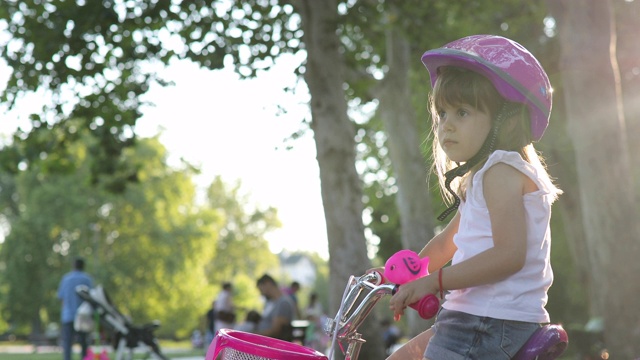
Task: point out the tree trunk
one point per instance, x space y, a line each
410 170
597 130
627 14
335 145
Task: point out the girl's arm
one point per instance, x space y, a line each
441 248
504 187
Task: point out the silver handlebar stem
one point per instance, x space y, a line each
345 325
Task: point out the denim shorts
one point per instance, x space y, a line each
457 335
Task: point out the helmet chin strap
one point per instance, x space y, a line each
506 111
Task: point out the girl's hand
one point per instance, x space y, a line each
379 270
412 292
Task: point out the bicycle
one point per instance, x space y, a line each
360 296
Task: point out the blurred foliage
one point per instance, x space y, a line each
241 237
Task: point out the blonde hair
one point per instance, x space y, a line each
457 86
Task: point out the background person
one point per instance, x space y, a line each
225 312
315 337
250 323
293 291
279 310
390 335
70 303
210 320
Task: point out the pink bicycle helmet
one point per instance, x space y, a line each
512 69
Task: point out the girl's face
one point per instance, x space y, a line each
462 130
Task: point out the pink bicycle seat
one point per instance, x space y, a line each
238 345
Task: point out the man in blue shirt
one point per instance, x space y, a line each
70 303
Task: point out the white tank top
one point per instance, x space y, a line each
523 295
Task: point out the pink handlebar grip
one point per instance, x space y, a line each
427 307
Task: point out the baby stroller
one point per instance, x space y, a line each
126 334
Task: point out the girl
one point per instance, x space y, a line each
491 99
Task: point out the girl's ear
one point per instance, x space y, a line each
515 132
507 130
510 124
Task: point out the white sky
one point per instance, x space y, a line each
229 127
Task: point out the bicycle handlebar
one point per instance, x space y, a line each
427 307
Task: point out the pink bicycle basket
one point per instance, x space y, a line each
238 345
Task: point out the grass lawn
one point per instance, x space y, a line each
58 356
172 349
